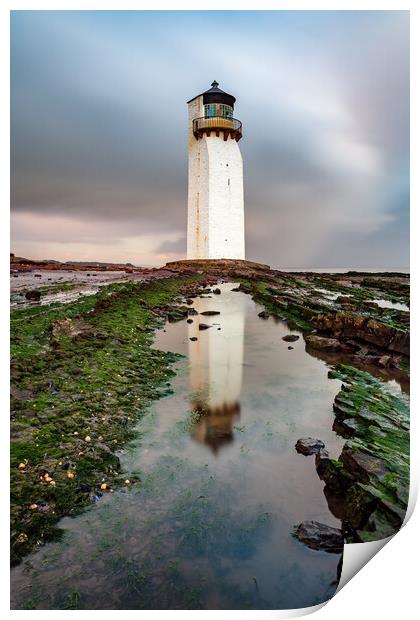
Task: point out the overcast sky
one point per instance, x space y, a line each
99 124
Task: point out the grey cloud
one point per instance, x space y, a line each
99 127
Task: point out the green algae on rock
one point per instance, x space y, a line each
368 487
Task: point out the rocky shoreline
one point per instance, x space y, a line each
74 403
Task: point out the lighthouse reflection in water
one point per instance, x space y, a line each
216 360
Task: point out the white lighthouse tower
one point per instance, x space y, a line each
215 178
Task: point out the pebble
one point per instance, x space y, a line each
22 538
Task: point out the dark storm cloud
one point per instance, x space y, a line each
99 131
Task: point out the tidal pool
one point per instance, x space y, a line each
394 305
208 526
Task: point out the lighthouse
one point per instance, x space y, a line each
215 178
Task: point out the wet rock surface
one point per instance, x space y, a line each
320 536
365 329
368 486
263 315
321 343
308 446
290 338
33 295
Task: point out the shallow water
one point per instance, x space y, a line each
221 485
84 283
330 294
383 303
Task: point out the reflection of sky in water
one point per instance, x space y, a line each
383 303
208 528
330 294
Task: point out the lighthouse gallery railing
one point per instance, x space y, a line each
219 124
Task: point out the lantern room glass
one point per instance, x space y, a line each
218 109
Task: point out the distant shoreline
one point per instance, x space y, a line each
18 263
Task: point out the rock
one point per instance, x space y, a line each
352 325
362 465
33 295
217 291
210 312
189 301
202 326
263 315
308 445
70 327
290 338
322 343
290 348
384 361
193 338
192 311
190 321
345 300
22 538
319 536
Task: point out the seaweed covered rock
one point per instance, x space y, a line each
364 328
33 295
368 486
70 327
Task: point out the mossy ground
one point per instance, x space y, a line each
65 389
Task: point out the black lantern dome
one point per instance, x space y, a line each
216 95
